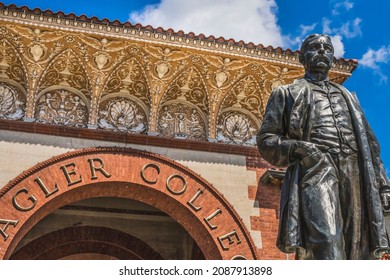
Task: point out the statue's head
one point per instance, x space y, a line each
316 54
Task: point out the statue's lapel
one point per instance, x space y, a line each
353 104
301 109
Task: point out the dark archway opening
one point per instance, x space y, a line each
107 228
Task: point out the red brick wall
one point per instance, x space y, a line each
267 222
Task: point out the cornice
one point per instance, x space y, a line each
115 29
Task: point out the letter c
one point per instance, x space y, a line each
146 166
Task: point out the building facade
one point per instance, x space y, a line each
121 141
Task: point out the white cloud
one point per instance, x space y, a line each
296 41
249 20
351 29
306 29
338 46
346 5
348 29
374 58
326 26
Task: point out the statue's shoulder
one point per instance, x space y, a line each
296 84
340 87
352 95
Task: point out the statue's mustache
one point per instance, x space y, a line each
321 58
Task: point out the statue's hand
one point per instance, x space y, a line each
385 198
307 153
302 149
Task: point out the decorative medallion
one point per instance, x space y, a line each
101 60
11 103
236 128
162 68
37 52
122 114
181 121
62 107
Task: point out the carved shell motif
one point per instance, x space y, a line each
10 106
7 99
124 115
235 127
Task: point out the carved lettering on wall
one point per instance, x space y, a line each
11 102
181 121
122 114
61 107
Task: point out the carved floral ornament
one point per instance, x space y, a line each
67 69
11 66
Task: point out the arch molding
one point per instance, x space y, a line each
126 173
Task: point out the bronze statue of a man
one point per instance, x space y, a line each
330 198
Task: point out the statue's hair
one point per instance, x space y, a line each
308 40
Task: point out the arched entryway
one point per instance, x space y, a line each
129 174
86 242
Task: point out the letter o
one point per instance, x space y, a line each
239 257
169 184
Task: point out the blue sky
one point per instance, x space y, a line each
358 28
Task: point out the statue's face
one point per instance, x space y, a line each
318 56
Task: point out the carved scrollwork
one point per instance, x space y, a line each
62 107
236 128
104 70
129 78
189 87
67 70
181 121
10 63
245 94
122 114
11 103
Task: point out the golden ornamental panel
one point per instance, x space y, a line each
89 77
129 78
